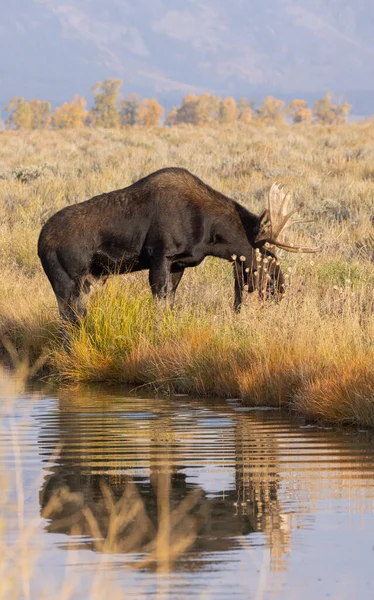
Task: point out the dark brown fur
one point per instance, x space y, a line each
165 222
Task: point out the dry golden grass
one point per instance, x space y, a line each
312 353
272 355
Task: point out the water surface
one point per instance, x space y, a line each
269 507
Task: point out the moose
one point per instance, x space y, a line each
166 222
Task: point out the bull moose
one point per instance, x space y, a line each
165 222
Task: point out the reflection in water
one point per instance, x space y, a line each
138 455
219 478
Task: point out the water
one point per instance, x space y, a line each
270 507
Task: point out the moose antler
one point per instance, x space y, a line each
276 220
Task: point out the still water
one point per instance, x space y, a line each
252 504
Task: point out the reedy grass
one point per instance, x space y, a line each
313 352
270 355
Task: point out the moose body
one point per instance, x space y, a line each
165 222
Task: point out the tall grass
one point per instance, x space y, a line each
313 352
275 355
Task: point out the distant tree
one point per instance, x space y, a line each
342 112
35 114
299 111
208 109
227 111
19 114
245 110
71 115
271 112
105 112
40 114
128 110
149 113
327 113
172 116
196 110
187 112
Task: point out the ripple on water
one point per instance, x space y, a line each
274 507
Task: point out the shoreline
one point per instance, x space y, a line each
312 352
315 368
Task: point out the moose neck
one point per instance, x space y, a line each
238 236
249 221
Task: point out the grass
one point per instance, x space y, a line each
274 355
312 353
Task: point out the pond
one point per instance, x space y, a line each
180 497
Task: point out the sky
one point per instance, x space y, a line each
52 49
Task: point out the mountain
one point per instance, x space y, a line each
51 49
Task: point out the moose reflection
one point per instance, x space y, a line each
153 478
122 478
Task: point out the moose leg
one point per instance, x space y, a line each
239 284
159 273
174 281
67 291
242 278
276 287
71 302
270 278
89 286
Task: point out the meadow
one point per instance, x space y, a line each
312 353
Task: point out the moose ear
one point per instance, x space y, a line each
264 221
263 228
263 218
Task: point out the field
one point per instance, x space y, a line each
312 353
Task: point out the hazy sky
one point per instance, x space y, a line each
52 49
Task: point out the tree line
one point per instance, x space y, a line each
110 110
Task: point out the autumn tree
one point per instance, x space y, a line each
208 109
227 111
187 112
71 115
245 110
149 113
35 114
19 114
196 110
105 112
327 113
172 117
128 110
270 112
299 111
40 114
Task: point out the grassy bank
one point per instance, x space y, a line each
312 353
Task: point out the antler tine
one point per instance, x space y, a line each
295 221
300 249
279 200
286 201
